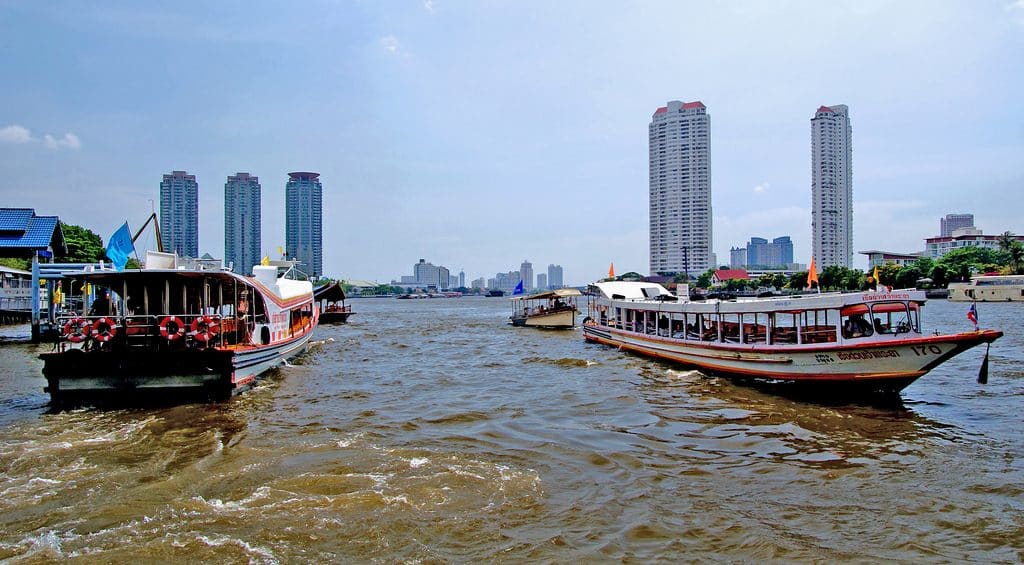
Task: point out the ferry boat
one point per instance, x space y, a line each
835 343
989 288
549 309
331 300
170 332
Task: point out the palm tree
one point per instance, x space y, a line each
1016 252
1005 240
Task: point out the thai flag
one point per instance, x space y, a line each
972 315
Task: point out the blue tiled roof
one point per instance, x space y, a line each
15 219
34 232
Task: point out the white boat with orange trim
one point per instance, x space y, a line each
169 332
552 309
855 343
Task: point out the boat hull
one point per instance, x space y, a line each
334 317
883 367
563 319
75 376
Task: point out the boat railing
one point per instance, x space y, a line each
151 331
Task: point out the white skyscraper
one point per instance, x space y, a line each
680 189
831 187
526 271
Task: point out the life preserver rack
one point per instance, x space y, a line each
171 328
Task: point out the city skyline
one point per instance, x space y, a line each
394 128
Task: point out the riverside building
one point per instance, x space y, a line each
831 187
679 145
304 222
242 223
179 214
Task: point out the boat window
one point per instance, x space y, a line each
818 326
730 328
784 327
664 325
678 330
755 328
895 317
857 325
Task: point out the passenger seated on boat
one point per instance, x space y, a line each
879 328
101 306
856 326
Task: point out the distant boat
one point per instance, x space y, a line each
846 344
988 288
331 298
549 309
167 332
495 292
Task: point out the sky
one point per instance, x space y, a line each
478 134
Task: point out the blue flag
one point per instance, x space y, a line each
120 247
519 288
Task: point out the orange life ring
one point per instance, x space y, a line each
171 328
204 328
77 330
104 329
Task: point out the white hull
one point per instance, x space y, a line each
562 319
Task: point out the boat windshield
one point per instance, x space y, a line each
864 320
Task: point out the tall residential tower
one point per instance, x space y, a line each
179 214
304 222
679 138
526 271
831 187
242 222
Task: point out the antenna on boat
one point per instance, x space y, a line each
156 226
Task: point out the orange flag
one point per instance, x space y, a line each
812 275
611 270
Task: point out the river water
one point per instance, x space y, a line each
430 431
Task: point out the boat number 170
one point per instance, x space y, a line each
920 350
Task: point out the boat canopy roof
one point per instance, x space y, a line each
331 292
631 290
549 294
648 296
116 278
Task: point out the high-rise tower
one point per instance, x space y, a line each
179 214
304 221
679 138
242 222
526 271
831 187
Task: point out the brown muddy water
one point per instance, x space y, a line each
430 431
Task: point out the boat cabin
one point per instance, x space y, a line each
795 320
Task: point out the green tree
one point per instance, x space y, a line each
966 260
1005 240
704 280
1016 253
15 263
939 275
84 246
797 281
907 277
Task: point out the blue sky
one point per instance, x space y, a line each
477 134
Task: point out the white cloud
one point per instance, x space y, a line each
391 44
15 134
762 187
69 140
19 134
428 5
